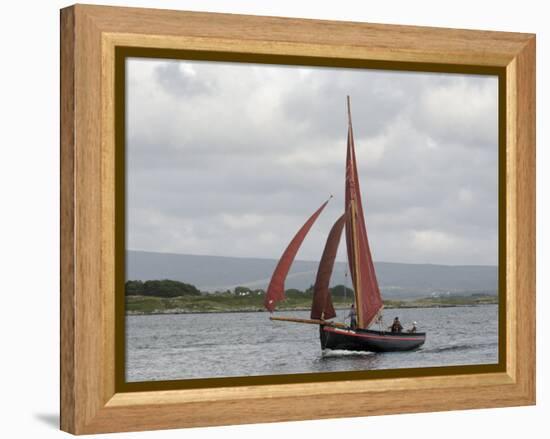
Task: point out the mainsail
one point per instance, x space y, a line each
322 307
276 289
367 294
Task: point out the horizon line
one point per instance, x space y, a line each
307 260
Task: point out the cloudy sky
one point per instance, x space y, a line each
230 159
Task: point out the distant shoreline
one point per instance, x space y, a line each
166 296
231 311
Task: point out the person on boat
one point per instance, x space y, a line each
353 316
396 327
380 322
413 329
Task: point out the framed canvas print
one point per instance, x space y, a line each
269 219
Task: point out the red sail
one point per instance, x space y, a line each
367 294
322 307
276 289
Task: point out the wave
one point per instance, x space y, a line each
332 353
193 345
458 347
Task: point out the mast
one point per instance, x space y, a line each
354 262
276 289
368 301
357 274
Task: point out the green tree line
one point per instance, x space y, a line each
160 288
174 288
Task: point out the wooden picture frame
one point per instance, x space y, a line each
92 399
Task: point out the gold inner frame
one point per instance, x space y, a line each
121 53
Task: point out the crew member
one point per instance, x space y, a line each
353 316
396 327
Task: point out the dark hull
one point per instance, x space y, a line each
368 340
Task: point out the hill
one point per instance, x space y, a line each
219 273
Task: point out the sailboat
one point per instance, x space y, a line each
368 301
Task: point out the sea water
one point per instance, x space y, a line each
183 346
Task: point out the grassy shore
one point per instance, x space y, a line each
138 305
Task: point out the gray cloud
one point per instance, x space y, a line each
182 80
230 159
